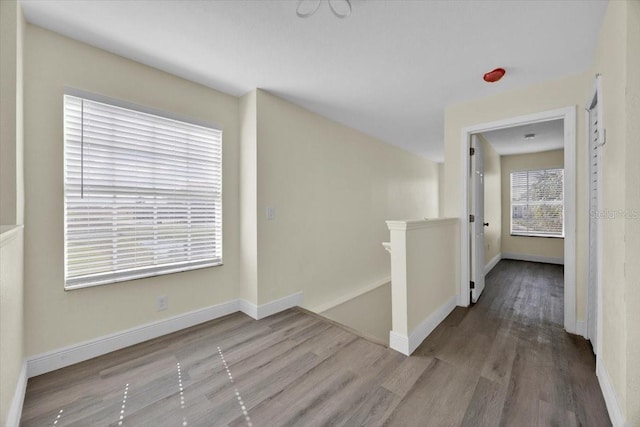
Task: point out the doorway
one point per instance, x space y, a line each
568 118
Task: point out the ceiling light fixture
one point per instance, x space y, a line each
530 136
337 11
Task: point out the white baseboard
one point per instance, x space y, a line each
399 342
273 307
248 308
496 259
56 359
407 345
581 328
533 258
610 398
15 410
461 302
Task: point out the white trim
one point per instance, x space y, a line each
273 307
407 345
248 308
9 233
15 410
610 398
533 258
351 295
568 114
399 343
56 359
495 260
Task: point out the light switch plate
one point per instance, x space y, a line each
271 213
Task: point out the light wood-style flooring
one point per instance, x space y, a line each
504 361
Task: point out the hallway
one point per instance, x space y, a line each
504 361
509 357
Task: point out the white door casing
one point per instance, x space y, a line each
568 115
477 227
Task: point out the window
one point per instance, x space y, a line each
142 193
537 207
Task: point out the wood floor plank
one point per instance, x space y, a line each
485 408
374 410
430 402
499 361
403 378
552 415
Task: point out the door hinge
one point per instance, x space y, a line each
472 151
472 285
472 218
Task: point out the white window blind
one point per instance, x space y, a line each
537 207
142 194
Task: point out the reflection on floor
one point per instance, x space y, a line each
504 361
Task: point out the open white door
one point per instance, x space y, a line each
477 217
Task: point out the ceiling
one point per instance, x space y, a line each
506 142
388 70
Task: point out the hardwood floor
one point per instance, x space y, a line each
504 361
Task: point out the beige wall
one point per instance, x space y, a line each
248 197
569 91
618 61
432 269
369 313
539 246
12 26
55 318
332 189
11 316
492 201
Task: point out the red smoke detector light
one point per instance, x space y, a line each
494 75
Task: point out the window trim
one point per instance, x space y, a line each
537 235
148 271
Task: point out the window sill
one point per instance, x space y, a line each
544 236
142 275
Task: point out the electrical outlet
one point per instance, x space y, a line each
162 303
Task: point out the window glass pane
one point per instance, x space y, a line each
537 203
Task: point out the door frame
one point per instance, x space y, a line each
568 115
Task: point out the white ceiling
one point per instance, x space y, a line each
388 70
549 136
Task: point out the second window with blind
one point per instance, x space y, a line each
142 191
537 203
